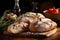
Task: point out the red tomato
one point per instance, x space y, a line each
51 9
56 11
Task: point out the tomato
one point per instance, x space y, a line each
57 11
53 10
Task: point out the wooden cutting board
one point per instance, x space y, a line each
56 36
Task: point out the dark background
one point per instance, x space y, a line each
26 5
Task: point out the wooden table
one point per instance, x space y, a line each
53 37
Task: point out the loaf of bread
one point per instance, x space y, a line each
33 22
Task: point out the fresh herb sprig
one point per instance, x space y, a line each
3 23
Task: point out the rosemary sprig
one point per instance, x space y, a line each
3 23
2 18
